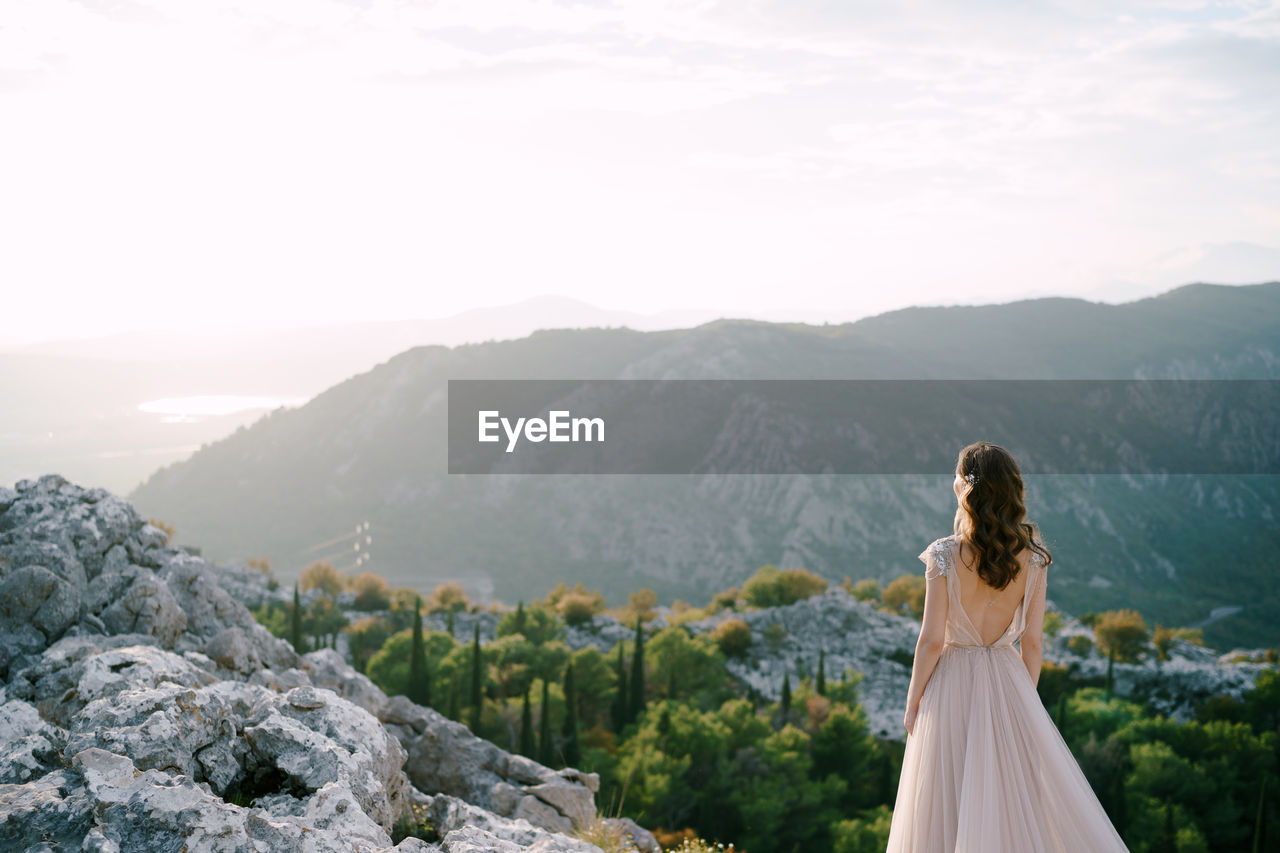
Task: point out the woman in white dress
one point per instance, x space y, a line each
985 769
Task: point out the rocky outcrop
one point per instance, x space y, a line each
143 708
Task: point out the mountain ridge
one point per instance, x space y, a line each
372 447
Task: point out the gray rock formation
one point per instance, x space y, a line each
143 708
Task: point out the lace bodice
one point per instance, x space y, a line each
939 561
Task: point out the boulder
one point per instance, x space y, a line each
33 595
447 758
134 601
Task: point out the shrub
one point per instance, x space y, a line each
640 604
906 592
1123 632
577 609
324 577
1053 623
372 592
1163 638
448 596
769 587
1080 645
733 636
867 589
866 834
726 600
169 530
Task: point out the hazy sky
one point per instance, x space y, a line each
286 162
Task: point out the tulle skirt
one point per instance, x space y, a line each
986 770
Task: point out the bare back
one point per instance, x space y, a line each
990 611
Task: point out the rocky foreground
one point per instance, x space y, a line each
143 708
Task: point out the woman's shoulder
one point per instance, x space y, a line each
941 544
937 556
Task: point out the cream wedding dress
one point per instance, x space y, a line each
986 770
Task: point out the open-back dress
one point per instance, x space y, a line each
986 770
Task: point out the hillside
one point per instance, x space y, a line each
372 449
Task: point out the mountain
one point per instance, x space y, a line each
1182 549
74 405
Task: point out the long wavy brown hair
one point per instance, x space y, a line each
992 513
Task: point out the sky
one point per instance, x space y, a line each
277 163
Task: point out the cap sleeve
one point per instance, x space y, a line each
936 559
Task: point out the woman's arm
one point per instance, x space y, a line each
1032 641
928 646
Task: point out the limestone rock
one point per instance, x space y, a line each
33 595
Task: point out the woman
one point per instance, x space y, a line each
985 769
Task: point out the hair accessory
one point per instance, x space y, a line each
972 478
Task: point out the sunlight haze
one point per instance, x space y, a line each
279 164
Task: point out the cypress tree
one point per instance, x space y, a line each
520 618
448 620
822 672
477 681
1118 805
419 678
544 729
526 728
1111 664
786 697
572 753
620 705
455 712
1062 712
1260 821
295 624
637 675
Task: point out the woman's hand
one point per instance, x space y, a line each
909 719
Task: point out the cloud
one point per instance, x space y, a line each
667 150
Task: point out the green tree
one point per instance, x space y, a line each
455 700
365 637
691 666
637 676
572 751
782 806
621 707
545 748
419 677
526 728
868 833
1121 631
822 672
784 704
477 681
295 624
539 624
843 746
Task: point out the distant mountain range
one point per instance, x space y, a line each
1181 549
72 405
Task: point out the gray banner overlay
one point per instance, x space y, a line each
855 426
